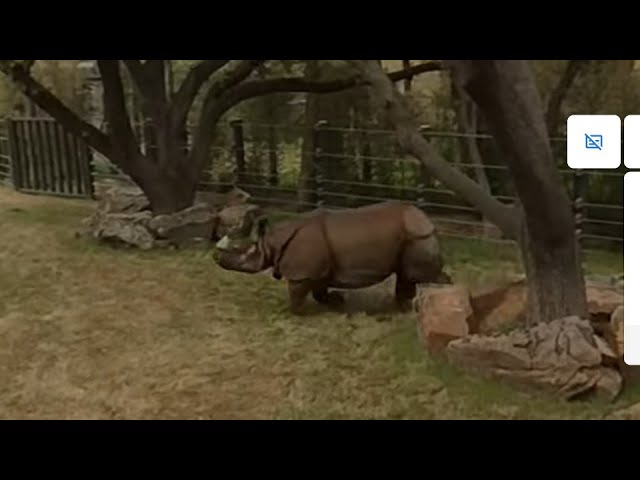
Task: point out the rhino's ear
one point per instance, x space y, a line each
260 228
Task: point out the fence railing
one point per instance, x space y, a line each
338 167
5 159
293 168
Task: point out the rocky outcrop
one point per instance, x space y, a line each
569 357
123 217
126 229
561 357
191 226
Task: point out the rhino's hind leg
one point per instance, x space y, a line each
324 297
405 291
298 292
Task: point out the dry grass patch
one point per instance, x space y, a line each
92 332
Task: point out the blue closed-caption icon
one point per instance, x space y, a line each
593 141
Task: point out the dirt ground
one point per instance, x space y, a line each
90 332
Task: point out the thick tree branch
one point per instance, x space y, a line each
559 93
137 72
509 99
210 109
149 81
42 97
219 101
188 91
155 71
299 84
122 137
388 99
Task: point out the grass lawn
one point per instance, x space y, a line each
88 332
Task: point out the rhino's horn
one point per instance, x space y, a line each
224 243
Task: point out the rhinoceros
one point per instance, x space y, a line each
344 249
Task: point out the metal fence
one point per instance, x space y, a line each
45 158
337 167
5 159
289 169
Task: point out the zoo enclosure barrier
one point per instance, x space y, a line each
293 168
37 155
296 168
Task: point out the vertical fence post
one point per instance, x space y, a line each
273 156
580 185
16 173
422 174
91 167
318 167
238 148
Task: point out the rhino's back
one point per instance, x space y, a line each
366 243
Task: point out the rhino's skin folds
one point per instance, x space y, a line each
346 249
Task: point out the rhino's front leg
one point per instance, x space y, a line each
298 292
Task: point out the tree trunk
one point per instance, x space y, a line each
168 190
555 279
507 94
508 97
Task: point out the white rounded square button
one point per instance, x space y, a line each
594 142
632 141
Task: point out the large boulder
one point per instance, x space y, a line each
617 330
499 307
128 229
631 412
123 216
123 199
603 300
506 305
561 357
444 314
191 226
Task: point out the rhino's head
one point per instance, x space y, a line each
243 250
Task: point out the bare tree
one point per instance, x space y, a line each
168 173
543 223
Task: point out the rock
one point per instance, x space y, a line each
444 315
236 218
501 306
602 301
560 357
609 356
618 281
629 413
610 281
617 330
609 385
507 304
123 199
215 200
192 225
125 228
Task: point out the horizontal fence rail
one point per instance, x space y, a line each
290 169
